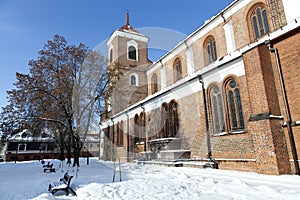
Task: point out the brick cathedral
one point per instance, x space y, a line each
227 94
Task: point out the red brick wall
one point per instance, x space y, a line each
268 138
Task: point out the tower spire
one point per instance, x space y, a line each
127 18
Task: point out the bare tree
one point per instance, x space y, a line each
64 86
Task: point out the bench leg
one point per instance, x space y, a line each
73 191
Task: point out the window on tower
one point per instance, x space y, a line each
133 80
131 53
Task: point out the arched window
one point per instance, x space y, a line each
177 69
259 21
211 50
154 83
111 55
174 123
131 53
133 80
216 109
234 105
164 121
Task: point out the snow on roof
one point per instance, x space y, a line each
26 134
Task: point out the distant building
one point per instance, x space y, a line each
23 146
228 92
91 146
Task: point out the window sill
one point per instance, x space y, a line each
220 134
230 133
237 132
132 59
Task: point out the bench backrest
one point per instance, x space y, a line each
67 178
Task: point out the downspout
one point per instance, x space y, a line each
286 105
143 127
128 149
209 154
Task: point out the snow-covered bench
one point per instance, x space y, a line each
62 185
49 168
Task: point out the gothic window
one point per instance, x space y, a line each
211 50
234 104
154 83
259 20
177 70
174 124
131 53
164 121
217 110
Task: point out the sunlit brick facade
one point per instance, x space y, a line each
228 93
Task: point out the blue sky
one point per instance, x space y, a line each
26 25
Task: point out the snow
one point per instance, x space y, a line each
26 180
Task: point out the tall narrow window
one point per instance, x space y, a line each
164 120
234 106
136 129
174 123
211 49
132 53
154 83
260 22
177 69
217 110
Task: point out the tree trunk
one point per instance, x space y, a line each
76 157
62 153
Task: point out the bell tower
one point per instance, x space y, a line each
127 46
128 52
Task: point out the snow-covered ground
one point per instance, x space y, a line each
26 180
